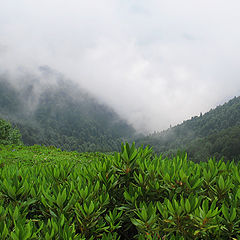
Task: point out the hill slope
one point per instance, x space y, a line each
215 133
61 114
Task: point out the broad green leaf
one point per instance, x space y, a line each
91 208
221 183
144 214
187 206
233 215
225 212
170 207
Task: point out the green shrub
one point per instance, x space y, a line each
8 134
49 194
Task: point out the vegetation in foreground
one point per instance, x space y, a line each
46 193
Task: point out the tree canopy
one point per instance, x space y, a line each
9 134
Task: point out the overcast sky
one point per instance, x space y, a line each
156 62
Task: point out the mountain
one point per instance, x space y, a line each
51 110
214 134
59 113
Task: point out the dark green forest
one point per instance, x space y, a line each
8 134
62 115
213 134
68 117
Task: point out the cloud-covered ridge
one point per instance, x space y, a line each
155 62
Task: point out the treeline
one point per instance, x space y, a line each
65 116
61 115
214 134
225 143
81 125
9 134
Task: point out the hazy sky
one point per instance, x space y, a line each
156 62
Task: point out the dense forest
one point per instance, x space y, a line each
215 133
62 115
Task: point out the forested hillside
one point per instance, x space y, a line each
215 133
62 115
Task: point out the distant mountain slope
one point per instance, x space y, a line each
61 114
225 143
202 136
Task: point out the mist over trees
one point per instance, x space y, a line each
214 134
51 110
62 115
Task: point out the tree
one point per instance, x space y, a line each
8 134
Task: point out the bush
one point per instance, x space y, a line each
8 134
50 194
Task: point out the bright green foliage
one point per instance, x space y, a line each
8 134
46 193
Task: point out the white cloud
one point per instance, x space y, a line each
156 62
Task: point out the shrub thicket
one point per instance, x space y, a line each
49 194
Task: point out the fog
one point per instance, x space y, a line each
154 62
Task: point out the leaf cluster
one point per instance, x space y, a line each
46 193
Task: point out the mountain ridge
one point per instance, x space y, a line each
190 133
61 114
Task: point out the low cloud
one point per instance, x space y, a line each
155 62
